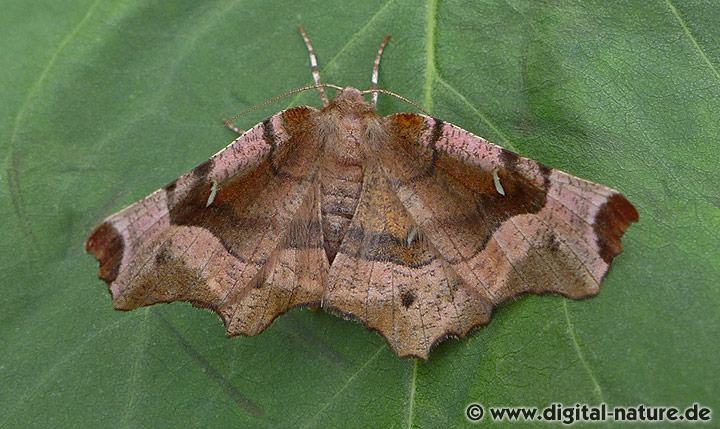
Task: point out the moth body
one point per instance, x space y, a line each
343 128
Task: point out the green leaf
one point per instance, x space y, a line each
103 102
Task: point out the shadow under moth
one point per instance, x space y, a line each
406 223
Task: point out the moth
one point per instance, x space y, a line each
406 223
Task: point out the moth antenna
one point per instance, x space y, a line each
398 96
280 97
314 66
376 68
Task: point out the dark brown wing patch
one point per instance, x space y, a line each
611 221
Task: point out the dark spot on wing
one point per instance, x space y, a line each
545 170
170 187
271 140
163 255
437 132
509 159
202 170
407 298
553 243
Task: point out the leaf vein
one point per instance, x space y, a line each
690 36
430 66
411 398
344 386
10 164
573 339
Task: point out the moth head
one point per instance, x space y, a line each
350 102
352 94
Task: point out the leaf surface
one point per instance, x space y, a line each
103 102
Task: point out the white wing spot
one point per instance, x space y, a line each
498 185
213 193
412 235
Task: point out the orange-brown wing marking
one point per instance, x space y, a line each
537 230
389 277
236 234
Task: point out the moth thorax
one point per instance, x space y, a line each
348 141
